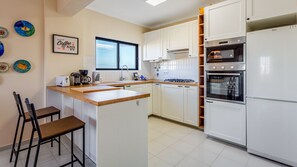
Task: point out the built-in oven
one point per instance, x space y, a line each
226 86
226 51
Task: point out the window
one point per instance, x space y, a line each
113 54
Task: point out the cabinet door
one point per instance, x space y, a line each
172 102
193 37
225 20
149 89
145 88
177 37
157 99
191 105
226 121
263 9
152 45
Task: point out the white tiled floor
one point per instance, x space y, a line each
174 145
170 145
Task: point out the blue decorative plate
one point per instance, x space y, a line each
1 49
22 66
3 32
24 28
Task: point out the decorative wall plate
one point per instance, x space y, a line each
1 49
4 67
22 66
24 28
3 32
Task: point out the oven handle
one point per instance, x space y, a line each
227 74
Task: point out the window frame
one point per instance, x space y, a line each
118 42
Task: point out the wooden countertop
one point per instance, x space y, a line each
122 84
104 95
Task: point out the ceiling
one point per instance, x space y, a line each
141 13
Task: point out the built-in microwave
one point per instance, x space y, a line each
226 51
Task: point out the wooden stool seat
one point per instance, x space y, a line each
51 130
60 127
43 113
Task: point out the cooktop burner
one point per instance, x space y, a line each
179 80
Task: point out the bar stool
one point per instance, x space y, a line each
50 130
41 113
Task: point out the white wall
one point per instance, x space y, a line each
184 68
101 25
29 48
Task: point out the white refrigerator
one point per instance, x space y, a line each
272 94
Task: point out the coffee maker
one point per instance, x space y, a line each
84 78
75 79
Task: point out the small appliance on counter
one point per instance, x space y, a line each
135 76
96 77
75 79
84 78
62 81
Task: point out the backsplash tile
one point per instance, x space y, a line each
185 68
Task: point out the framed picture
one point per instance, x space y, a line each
65 44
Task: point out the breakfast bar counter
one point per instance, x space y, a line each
116 122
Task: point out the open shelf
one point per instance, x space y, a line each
201 68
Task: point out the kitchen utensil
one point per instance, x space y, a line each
95 77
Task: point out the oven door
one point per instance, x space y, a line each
227 86
225 53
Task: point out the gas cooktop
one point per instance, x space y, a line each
179 80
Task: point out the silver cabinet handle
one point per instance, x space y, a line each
157 84
187 86
207 101
224 74
179 86
128 86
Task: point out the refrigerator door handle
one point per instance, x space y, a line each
268 99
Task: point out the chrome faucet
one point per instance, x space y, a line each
122 78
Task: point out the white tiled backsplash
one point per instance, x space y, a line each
186 68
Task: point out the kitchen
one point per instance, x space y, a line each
229 116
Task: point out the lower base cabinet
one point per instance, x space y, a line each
180 103
226 121
172 102
145 88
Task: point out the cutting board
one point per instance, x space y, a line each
95 89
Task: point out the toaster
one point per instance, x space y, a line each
62 81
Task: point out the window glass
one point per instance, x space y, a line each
106 54
113 54
127 56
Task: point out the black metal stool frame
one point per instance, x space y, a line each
22 115
35 124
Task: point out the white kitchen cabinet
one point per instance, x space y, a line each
226 121
145 88
191 105
152 48
157 99
172 102
193 37
265 9
225 20
177 37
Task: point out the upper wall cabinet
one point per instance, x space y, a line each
265 9
193 37
177 37
152 47
225 20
